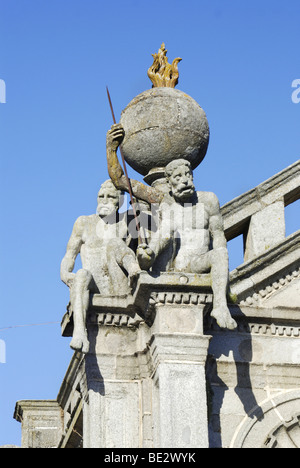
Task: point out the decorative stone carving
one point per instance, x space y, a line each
286 435
272 290
272 424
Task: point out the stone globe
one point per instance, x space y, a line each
163 124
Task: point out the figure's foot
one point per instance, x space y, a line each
80 343
133 272
145 256
223 317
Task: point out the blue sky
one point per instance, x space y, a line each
56 57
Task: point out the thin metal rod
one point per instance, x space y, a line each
126 175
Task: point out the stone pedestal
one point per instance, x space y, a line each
178 379
144 376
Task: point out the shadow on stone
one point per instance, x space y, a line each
241 350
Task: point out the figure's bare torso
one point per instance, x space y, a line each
96 236
188 224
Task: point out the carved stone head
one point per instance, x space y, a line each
180 177
108 199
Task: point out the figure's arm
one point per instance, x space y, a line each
161 239
141 191
146 254
216 223
73 248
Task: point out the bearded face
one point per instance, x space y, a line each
108 201
181 182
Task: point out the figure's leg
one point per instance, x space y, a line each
219 277
130 264
80 303
120 255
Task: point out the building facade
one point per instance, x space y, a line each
161 373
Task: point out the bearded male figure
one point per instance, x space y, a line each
105 257
190 236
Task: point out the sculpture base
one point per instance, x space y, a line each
150 290
144 383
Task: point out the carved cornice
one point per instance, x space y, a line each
150 290
262 329
180 298
156 299
114 320
273 286
257 279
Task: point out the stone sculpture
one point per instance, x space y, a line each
189 221
163 123
190 236
100 240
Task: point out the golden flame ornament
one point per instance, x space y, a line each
161 73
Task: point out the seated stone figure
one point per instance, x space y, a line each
105 258
190 236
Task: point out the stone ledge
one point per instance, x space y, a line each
179 347
130 310
281 321
34 405
267 272
284 185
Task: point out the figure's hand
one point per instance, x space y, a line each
70 279
145 256
115 137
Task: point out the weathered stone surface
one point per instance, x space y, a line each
180 416
127 366
258 280
161 125
266 229
129 359
42 423
279 428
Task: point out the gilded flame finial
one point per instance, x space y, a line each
161 73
